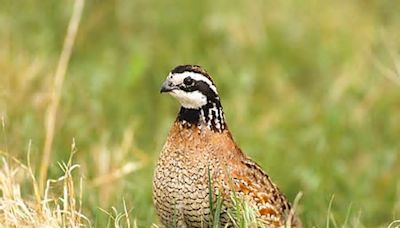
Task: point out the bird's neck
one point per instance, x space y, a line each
210 115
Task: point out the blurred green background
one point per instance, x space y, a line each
311 91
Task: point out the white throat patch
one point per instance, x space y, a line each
191 100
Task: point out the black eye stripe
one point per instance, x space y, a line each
202 87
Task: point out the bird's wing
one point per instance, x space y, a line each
254 184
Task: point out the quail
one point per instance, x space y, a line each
200 150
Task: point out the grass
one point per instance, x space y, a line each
310 91
60 206
242 214
51 210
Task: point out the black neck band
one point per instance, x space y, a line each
210 115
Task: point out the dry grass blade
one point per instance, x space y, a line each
118 218
292 212
394 224
391 68
53 210
117 174
59 76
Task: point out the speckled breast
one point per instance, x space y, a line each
180 189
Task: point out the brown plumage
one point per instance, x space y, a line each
200 143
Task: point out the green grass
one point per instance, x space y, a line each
311 91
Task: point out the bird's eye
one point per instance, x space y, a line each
188 81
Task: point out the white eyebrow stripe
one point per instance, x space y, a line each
177 78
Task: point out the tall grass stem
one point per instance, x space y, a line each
51 112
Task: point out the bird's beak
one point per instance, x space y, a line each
167 86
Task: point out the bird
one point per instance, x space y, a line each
200 163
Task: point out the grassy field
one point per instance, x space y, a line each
311 91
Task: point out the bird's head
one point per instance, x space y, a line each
191 85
